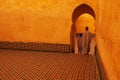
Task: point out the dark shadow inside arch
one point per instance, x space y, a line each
83 8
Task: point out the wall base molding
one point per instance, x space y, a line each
101 68
34 46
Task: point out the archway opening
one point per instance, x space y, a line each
82 16
83 21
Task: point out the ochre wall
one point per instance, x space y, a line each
108 37
83 21
49 21
44 21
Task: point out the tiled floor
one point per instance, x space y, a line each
28 65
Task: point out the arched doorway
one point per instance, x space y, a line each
79 11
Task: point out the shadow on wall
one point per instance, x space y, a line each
83 8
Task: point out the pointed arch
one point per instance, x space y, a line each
81 9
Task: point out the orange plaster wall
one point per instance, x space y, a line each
83 21
108 37
46 21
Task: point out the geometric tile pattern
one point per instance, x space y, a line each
47 47
32 65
